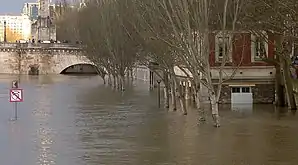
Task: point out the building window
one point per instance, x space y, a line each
245 90
223 46
235 89
259 47
260 51
241 90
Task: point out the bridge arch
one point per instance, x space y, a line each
78 64
80 68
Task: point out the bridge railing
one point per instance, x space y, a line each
40 45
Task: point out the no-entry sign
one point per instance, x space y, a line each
16 95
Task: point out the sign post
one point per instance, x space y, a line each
16 95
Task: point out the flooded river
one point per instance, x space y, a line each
75 120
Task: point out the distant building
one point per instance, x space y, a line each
31 10
17 27
43 29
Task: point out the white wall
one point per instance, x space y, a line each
251 72
141 73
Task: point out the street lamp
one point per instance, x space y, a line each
158 90
5 39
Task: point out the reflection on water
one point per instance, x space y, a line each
75 120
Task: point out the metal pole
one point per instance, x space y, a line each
5 37
158 95
15 85
150 80
16 110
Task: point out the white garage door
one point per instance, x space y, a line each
241 95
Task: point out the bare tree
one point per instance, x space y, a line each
278 18
108 38
180 34
65 19
186 27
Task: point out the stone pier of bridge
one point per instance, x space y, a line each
46 58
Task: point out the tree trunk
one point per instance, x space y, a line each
109 80
187 93
122 83
131 74
173 95
214 110
285 72
118 83
181 98
103 78
279 83
288 85
280 95
166 91
114 82
166 96
127 74
197 98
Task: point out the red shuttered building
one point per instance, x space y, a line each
253 80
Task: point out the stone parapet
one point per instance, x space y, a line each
41 45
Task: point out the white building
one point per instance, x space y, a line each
17 27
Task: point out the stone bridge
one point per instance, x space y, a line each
46 58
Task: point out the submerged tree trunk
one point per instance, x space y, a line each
166 90
131 74
103 78
187 93
197 98
285 72
127 74
214 110
109 80
114 81
166 97
288 85
173 95
122 83
180 97
118 82
280 95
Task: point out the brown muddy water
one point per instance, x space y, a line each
75 120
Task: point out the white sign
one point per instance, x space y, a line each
16 95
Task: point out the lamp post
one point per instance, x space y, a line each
158 90
5 39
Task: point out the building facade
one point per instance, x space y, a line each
32 10
248 78
43 29
17 27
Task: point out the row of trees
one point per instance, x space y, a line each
119 34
